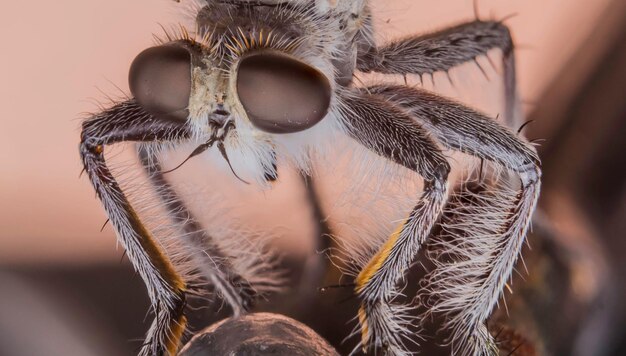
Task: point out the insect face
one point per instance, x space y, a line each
246 72
250 81
263 90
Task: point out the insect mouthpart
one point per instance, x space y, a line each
219 117
281 94
220 132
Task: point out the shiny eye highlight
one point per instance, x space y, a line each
160 81
281 94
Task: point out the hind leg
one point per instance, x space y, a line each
495 220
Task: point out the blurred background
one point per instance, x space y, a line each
66 290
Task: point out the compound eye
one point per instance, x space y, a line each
281 94
160 81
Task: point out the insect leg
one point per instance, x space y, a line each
319 265
391 133
127 121
471 290
443 50
200 246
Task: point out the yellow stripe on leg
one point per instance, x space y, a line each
364 329
167 271
377 260
156 255
176 334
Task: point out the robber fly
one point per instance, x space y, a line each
266 82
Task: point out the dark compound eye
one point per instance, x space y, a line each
281 94
160 81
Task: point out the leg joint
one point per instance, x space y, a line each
438 176
90 144
529 174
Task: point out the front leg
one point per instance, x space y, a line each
391 133
129 122
444 50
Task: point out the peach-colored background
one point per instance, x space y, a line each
56 54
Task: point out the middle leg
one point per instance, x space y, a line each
207 257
